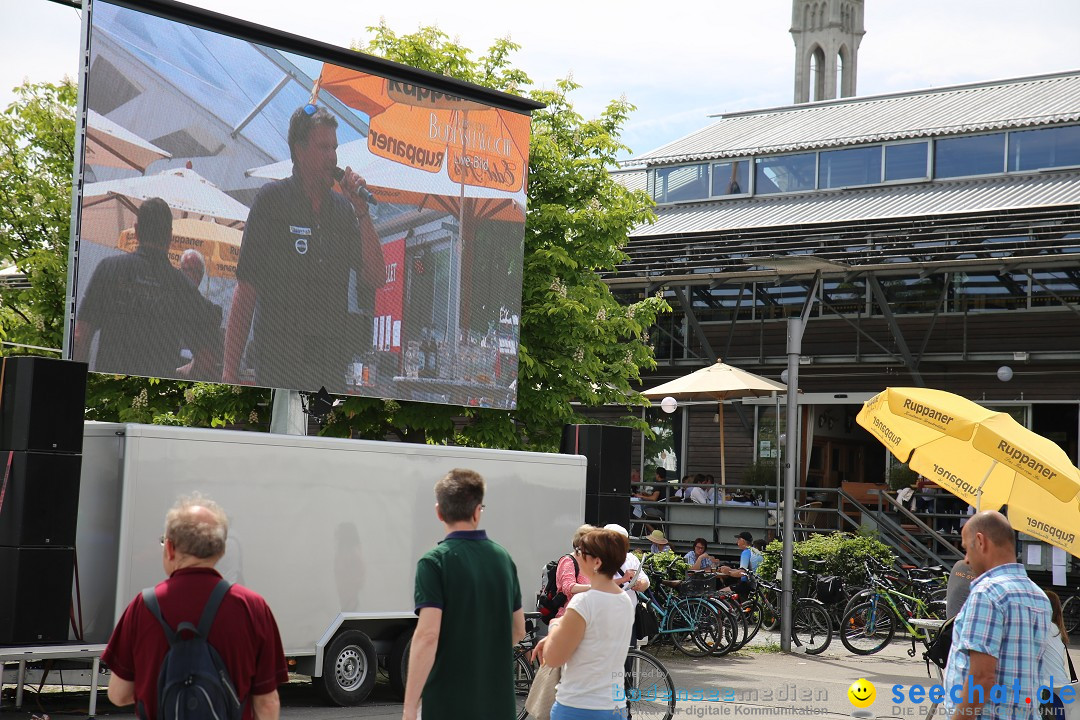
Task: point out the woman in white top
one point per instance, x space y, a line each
1055 658
590 640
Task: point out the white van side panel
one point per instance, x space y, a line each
322 526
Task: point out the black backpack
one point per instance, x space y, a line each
549 600
193 683
938 650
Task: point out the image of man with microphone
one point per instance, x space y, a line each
310 263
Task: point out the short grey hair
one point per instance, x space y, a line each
193 533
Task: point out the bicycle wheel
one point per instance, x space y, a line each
650 691
523 678
858 598
681 624
730 612
754 613
727 633
1070 613
811 627
936 609
868 628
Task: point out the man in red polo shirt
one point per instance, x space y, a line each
244 632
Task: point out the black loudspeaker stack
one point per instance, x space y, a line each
607 479
41 432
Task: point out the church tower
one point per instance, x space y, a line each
827 34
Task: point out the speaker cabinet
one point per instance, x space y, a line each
41 502
42 403
601 510
607 449
35 594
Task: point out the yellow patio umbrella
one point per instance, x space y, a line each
984 457
718 382
218 244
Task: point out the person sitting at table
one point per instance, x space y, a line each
650 493
682 494
698 558
749 559
659 542
701 495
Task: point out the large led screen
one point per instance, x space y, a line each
259 216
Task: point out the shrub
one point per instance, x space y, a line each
843 554
665 566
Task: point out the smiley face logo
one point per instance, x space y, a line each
862 693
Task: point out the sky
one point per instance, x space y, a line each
677 62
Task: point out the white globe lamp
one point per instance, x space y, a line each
669 404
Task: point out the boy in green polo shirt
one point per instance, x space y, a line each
469 603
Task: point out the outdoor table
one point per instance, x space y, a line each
22 655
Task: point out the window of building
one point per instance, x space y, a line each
731 178
1044 148
1050 287
723 303
685 182
844 298
979 292
906 161
786 173
779 301
848 167
974 155
907 295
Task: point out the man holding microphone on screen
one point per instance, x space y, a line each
302 242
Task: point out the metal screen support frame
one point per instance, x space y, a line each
75 226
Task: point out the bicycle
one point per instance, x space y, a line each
648 687
928 584
524 668
870 625
811 627
693 624
1070 613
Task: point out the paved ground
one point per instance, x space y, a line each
760 682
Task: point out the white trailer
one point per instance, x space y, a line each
327 530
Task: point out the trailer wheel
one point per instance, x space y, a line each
399 662
349 668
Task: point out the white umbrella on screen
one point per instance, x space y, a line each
187 192
112 145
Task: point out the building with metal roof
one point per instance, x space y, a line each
930 238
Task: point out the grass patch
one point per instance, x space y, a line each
768 647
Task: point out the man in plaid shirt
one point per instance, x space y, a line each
998 635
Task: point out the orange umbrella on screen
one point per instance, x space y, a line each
428 130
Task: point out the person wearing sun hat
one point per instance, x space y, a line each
659 542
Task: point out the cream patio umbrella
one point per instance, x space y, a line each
717 382
112 145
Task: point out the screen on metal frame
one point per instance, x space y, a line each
255 216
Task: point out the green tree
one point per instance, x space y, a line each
577 342
37 137
37 134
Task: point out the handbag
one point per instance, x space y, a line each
542 693
645 625
1056 709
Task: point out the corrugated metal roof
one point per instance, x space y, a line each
631 179
1004 104
871 203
